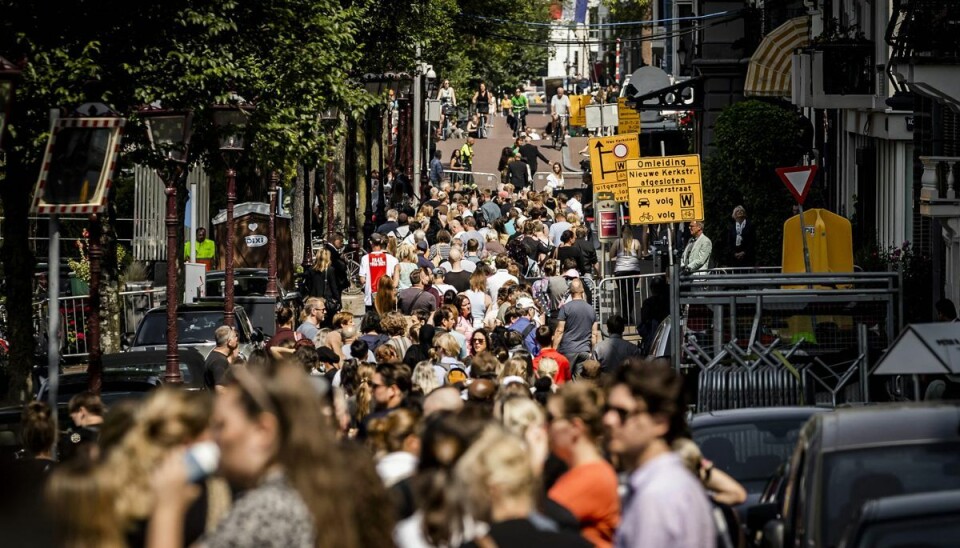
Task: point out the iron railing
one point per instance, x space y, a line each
74 310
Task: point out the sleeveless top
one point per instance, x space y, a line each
478 307
405 270
627 259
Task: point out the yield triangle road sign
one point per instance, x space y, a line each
798 180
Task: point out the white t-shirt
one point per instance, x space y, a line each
560 105
373 266
576 207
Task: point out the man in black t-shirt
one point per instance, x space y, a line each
218 360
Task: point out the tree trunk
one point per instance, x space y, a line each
18 268
110 305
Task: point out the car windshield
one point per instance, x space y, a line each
850 478
193 327
750 452
928 532
242 287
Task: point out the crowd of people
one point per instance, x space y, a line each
474 403
310 451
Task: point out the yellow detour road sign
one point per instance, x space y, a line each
609 157
578 110
628 118
665 189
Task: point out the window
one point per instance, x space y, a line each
851 478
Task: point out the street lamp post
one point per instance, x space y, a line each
9 74
169 136
231 121
272 234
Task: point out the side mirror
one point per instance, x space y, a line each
257 335
126 340
773 534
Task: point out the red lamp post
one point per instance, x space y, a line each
231 122
272 242
169 135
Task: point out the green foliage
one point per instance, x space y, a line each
455 38
752 139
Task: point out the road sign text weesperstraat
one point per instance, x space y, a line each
665 189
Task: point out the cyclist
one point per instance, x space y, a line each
519 104
482 100
448 104
560 112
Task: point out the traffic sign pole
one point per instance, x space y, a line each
803 235
798 181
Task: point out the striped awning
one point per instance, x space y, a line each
770 69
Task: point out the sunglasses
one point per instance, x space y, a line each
478 340
622 413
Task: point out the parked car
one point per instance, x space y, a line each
751 444
196 324
851 456
126 374
922 519
249 290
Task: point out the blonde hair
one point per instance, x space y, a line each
364 392
407 253
448 344
497 464
425 378
167 419
323 260
548 368
519 413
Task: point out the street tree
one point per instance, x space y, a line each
292 58
752 139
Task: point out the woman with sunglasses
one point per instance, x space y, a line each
479 342
589 488
275 443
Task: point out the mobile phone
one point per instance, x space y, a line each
202 460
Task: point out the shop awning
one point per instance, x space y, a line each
923 349
771 66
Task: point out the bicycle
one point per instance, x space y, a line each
560 131
520 122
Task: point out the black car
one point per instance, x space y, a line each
130 373
249 290
922 519
750 444
196 324
846 458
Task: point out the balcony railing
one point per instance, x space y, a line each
925 31
848 68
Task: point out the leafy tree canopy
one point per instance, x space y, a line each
752 139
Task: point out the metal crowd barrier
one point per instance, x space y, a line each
571 180
734 387
623 295
477 177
